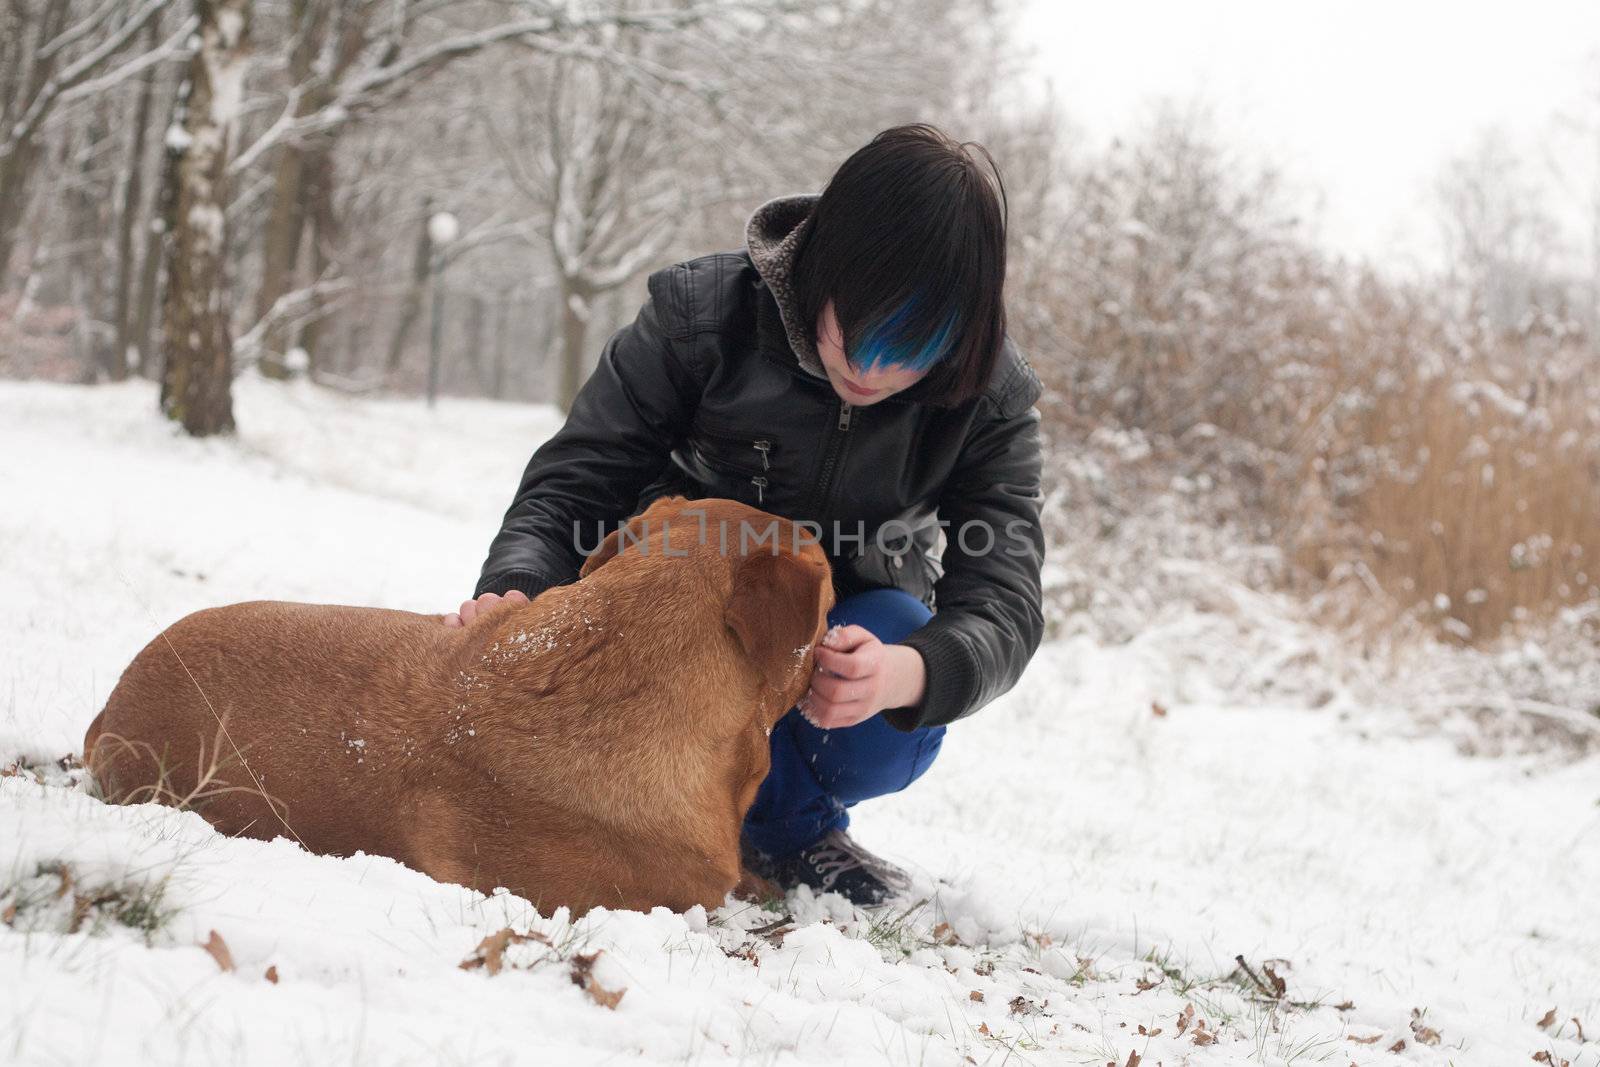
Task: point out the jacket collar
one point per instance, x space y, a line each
773 235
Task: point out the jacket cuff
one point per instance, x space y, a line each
529 583
951 688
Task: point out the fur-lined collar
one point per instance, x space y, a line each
773 234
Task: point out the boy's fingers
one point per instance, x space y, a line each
452 619
516 596
844 664
847 638
837 690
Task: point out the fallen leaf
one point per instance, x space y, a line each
218 949
1149 1033
272 974
583 978
490 953
1144 985
1373 1040
1157 710
1279 987
1185 1017
977 995
1200 1035
945 934
983 1028
9 916
1425 1034
1575 1022
1398 1046
1133 1059
1549 1017
1346 1006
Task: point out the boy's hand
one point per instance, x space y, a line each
471 609
858 676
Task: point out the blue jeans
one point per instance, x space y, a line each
818 774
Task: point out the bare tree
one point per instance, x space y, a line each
127 219
195 329
602 183
1501 242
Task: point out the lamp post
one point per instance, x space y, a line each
442 229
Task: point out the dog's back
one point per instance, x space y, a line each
231 706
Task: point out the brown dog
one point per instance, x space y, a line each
598 746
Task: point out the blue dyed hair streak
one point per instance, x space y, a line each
890 342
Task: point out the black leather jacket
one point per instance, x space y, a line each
702 395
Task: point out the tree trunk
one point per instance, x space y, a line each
576 307
474 346
196 386
415 292
156 236
319 178
285 226
502 307
86 225
128 219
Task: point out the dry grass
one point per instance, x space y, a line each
1456 475
1413 463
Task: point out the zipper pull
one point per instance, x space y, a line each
765 448
844 416
761 488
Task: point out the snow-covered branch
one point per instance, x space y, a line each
174 49
74 73
387 81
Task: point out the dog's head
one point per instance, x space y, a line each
772 573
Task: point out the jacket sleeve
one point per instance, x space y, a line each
989 619
624 423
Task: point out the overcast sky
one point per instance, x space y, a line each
1362 100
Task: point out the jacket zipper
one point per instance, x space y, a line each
831 458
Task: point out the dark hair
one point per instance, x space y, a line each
909 242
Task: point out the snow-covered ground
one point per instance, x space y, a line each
1095 850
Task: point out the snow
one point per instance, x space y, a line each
1094 850
227 65
177 140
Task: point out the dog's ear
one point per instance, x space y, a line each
775 610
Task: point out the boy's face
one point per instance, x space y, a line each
857 387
